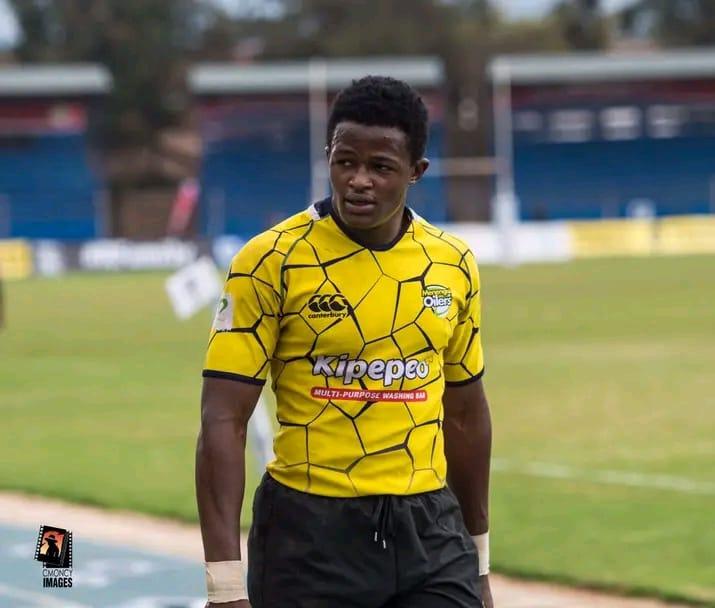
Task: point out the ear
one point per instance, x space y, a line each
418 170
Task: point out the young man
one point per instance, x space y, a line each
368 319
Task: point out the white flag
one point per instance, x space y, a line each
193 287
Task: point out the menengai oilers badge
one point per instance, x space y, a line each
438 298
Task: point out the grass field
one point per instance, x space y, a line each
592 367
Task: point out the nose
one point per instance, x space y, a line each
360 179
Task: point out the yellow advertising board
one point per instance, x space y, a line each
15 259
676 235
690 234
612 238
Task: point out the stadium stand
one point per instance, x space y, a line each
48 186
600 179
596 136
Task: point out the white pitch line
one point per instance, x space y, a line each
609 477
39 599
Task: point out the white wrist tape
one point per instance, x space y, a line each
225 581
481 542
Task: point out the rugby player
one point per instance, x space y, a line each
367 318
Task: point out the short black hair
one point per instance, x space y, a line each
385 102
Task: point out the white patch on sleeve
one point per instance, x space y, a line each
223 320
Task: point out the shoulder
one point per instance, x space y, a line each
271 247
440 242
443 247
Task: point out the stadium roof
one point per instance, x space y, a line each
54 79
599 67
295 76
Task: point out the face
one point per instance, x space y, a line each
370 173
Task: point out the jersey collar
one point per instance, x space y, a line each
325 207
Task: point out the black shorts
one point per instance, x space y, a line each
307 551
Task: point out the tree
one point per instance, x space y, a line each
582 24
333 28
143 43
672 22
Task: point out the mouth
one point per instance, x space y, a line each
359 205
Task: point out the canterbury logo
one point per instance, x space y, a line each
333 305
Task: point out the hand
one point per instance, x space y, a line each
236 604
487 600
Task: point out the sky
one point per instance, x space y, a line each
533 8
10 32
513 8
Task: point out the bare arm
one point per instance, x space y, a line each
226 406
467 447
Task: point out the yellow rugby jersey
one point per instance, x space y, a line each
359 343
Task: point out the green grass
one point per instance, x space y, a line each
605 365
100 393
595 365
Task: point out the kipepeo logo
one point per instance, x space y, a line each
353 369
328 306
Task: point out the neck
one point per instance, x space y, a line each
379 236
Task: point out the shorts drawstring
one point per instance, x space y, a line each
382 520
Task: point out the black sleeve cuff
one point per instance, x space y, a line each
212 373
467 381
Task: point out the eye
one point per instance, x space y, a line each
343 162
383 168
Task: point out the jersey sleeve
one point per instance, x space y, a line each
245 328
463 357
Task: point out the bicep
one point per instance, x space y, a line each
228 400
464 402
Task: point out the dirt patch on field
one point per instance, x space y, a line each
183 540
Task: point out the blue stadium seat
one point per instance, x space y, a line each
47 187
600 178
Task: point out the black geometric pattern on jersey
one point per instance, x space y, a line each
467 381
281 238
266 311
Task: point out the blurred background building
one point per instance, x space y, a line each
197 119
